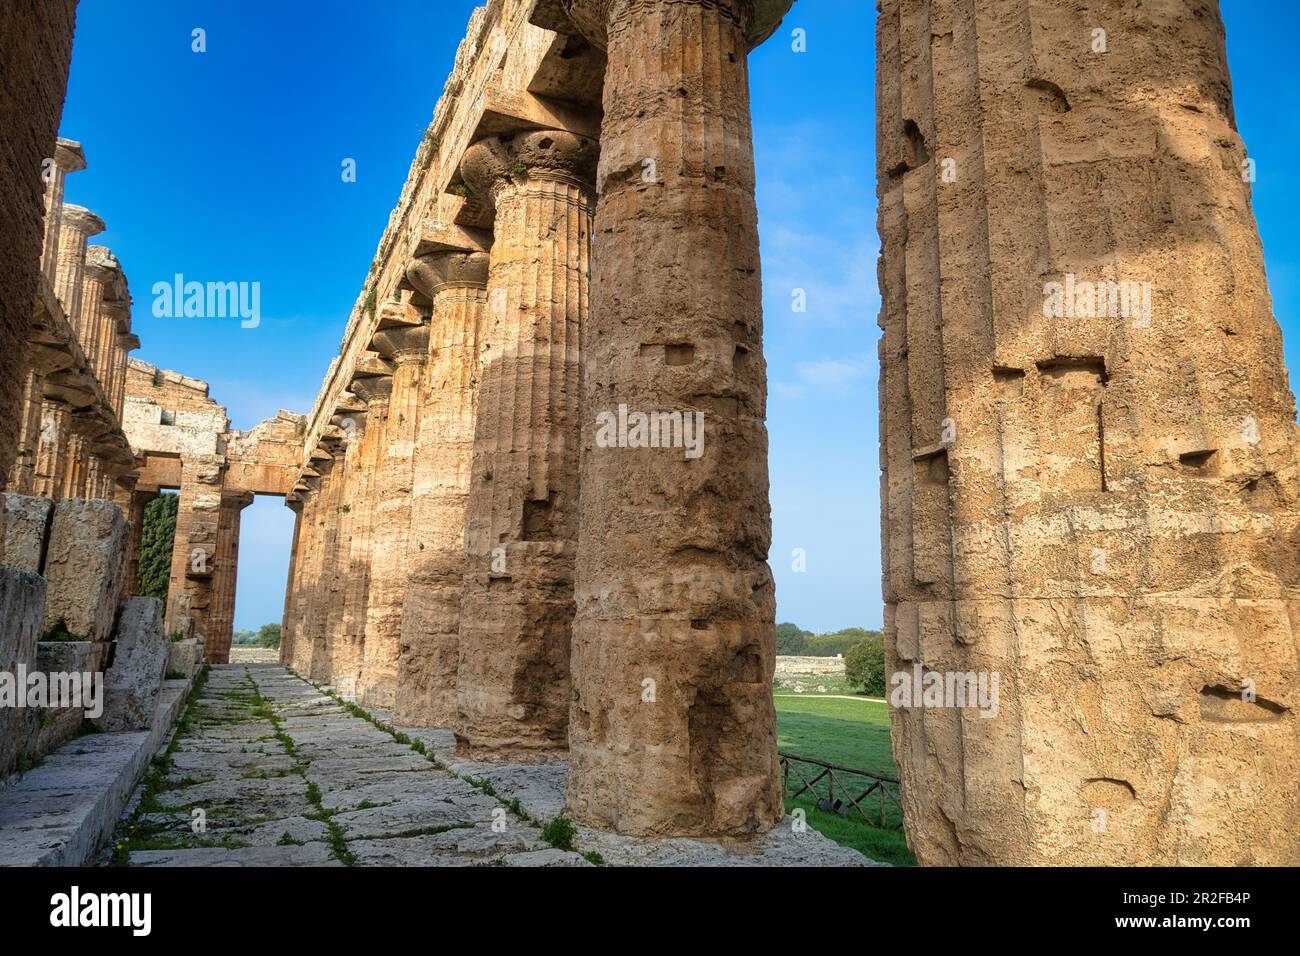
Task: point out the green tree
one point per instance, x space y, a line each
791 639
837 642
269 635
864 665
156 539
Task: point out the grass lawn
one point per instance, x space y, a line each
850 733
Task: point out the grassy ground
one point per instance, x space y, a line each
850 733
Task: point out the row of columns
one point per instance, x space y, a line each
468 554
69 438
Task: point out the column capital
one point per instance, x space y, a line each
496 164
81 220
435 272
594 19
68 155
101 264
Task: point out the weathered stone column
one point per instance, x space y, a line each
1090 451
221 618
521 519
76 226
22 476
456 283
673 728
98 313
194 548
52 451
68 158
390 500
329 517
367 409
133 503
289 620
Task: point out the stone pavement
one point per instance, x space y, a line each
271 771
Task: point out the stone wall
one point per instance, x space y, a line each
35 52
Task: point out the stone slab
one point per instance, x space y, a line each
85 565
133 682
26 531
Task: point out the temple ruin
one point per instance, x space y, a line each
1090 459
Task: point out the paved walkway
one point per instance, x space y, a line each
265 770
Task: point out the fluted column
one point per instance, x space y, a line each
1091 462
673 727
76 225
98 315
521 517
22 476
194 547
390 501
225 577
369 415
289 618
133 505
68 158
456 283
330 504
52 450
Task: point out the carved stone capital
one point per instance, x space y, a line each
81 220
69 156
401 344
436 271
594 18
499 163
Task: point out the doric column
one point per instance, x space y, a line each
1090 451
194 548
133 503
315 643
674 641
363 414
52 450
456 284
221 617
289 619
403 344
68 158
98 331
22 477
76 225
521 517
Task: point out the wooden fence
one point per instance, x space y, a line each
885 788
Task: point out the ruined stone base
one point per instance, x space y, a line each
539 788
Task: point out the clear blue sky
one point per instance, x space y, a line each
225 166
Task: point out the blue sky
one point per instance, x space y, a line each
225 166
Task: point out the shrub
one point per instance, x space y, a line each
864 665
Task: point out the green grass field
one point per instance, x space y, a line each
850 733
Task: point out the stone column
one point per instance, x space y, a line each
673 728
68 158
52 451
362 423
98 313
76 226
1091 462
288 621
194 549
325 567
456 283
22 477
221 618
521 518
403 344
133 504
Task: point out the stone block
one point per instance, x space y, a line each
185 657
26 531
59 724
132 683
22 607
85 565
